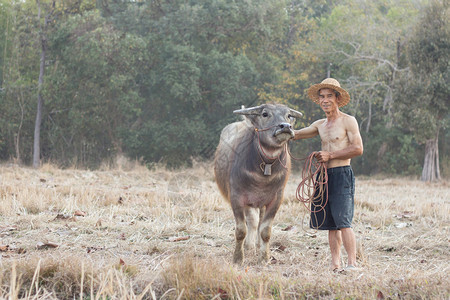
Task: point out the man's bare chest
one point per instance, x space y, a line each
333 133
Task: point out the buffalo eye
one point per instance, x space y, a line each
291 117
265 114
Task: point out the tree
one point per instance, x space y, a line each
158 80
92 90
207 59
53 10
362 44
424 91
19 75
43 44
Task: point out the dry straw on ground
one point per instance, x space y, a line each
140 234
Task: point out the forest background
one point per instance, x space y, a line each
85 81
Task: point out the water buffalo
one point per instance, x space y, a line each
251 168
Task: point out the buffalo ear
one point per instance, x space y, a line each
295 114
249 111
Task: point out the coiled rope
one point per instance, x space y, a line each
312 191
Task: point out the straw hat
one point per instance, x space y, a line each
329 83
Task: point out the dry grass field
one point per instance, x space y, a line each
132 233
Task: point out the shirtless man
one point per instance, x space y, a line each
341 141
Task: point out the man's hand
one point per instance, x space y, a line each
323 156
308 132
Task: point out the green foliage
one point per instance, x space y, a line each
5 36
208 58
18 82
425 87
91 89
399 154
167 141
158 80
184 122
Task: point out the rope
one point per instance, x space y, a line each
313 187
266 155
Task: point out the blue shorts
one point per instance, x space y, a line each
338 211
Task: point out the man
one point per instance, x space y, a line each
341 141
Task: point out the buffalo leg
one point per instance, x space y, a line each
240 233
262 212
251 219
265 230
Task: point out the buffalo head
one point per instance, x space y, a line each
273 122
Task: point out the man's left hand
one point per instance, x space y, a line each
323 156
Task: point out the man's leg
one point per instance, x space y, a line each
348 237
335 241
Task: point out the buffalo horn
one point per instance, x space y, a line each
249 111
295 114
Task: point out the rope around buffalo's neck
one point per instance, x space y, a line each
262 153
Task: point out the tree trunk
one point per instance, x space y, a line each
430 170
37 134
37 125
18 159
369 117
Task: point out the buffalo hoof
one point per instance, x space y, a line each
238 258
264 259
250 247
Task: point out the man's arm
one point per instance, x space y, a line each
307 132
355 147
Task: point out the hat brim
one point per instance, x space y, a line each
313 93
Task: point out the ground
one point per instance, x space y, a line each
135 233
